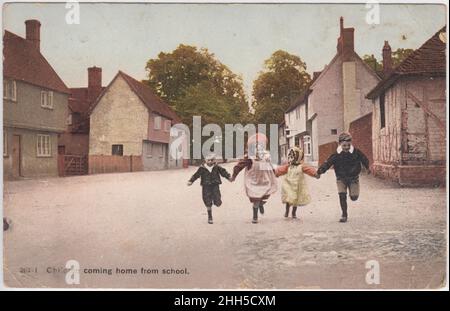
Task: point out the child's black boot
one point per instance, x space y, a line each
255 212
343 202
210 219
286 214
294 212
261 207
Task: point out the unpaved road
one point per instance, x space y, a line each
152 220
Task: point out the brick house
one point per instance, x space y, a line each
337 97
73 144
35 101
75 141
409 116
130 124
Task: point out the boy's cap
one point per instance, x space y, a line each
345 137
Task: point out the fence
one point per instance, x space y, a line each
99 164
69 165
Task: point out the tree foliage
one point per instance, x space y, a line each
283 79
187 74
398 56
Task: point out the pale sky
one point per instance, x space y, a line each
123 36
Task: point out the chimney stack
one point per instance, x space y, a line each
387 58
316 74
94 82
33 32
346 41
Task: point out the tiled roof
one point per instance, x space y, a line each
79 103
23 62
428 60
145 93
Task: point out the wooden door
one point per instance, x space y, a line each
16 157
61 162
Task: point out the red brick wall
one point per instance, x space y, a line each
361 131
326 150
75 144
412 175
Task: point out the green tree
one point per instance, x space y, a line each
187 69
283 80
373 62
398 56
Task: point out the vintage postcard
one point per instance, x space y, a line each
228 145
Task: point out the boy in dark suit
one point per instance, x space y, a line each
347 161
209 174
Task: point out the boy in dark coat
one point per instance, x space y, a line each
347 161
209 174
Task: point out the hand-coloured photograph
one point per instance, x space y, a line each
241 146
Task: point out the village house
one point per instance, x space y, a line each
409 116
73 144
282 143
337 98
35 103
130 129
297 131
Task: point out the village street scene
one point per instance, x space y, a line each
95 195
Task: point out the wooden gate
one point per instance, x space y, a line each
75 165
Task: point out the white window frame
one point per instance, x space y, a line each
167 125
69 119
10 90
43 145
161 155
47 99
157 122
307 145
5 143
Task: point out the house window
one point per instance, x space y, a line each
117 150
297 113
149 150
161 155
307 145
43 146
167 125
382 111
157 122
9 90
69 119
47 99
333 131
5 143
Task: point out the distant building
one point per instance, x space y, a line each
297 131
128 120
337 97
282 143
75 141
409 116
35 103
